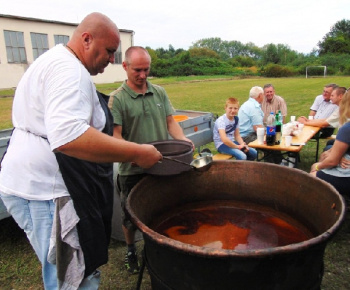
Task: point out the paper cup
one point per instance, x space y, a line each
300 126
311 117
260 139
292 118
288 141
260 132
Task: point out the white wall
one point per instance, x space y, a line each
11 73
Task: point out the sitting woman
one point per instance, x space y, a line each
227 138
334 167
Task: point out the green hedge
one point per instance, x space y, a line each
277 71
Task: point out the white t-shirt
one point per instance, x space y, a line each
226 124
333 120
55 102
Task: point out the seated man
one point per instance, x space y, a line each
272 103
322 108
227 138
331 121
250 115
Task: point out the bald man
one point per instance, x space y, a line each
59 162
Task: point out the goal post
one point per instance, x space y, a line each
324 69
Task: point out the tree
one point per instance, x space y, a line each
214 43
336 41
152 54
243 61
167 53
202 52
229 49
270 54
278 54
252 50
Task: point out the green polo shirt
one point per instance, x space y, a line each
142 117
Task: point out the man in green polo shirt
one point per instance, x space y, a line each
142 113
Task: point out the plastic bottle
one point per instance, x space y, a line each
278 128
271 130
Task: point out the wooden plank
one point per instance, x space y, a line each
220 156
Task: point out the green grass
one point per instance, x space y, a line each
19 267
5 112
209 93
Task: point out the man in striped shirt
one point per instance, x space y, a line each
273 103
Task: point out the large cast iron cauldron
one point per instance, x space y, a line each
176 265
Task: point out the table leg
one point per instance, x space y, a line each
289 157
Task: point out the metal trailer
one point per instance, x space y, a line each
198 127
4 137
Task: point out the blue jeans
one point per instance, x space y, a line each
237 153
35 217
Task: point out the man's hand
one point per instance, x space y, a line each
302 120
147 156
245 148
189 140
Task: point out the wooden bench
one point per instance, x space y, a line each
220 156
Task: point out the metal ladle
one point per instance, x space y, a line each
178 161
199 164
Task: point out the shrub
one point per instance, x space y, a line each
276 71
245 61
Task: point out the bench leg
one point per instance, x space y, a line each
317 146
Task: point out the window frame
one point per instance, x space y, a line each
43 41
60 38
15 47
118 56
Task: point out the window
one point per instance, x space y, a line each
118 55
15 49
61 39
39 43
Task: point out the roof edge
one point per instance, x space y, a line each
49 21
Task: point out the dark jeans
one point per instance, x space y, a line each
326 132
342 184
328 145
126 184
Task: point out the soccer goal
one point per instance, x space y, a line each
315 70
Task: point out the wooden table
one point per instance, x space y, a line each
306 134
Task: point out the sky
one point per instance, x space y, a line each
300 24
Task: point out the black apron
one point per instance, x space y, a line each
90 186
